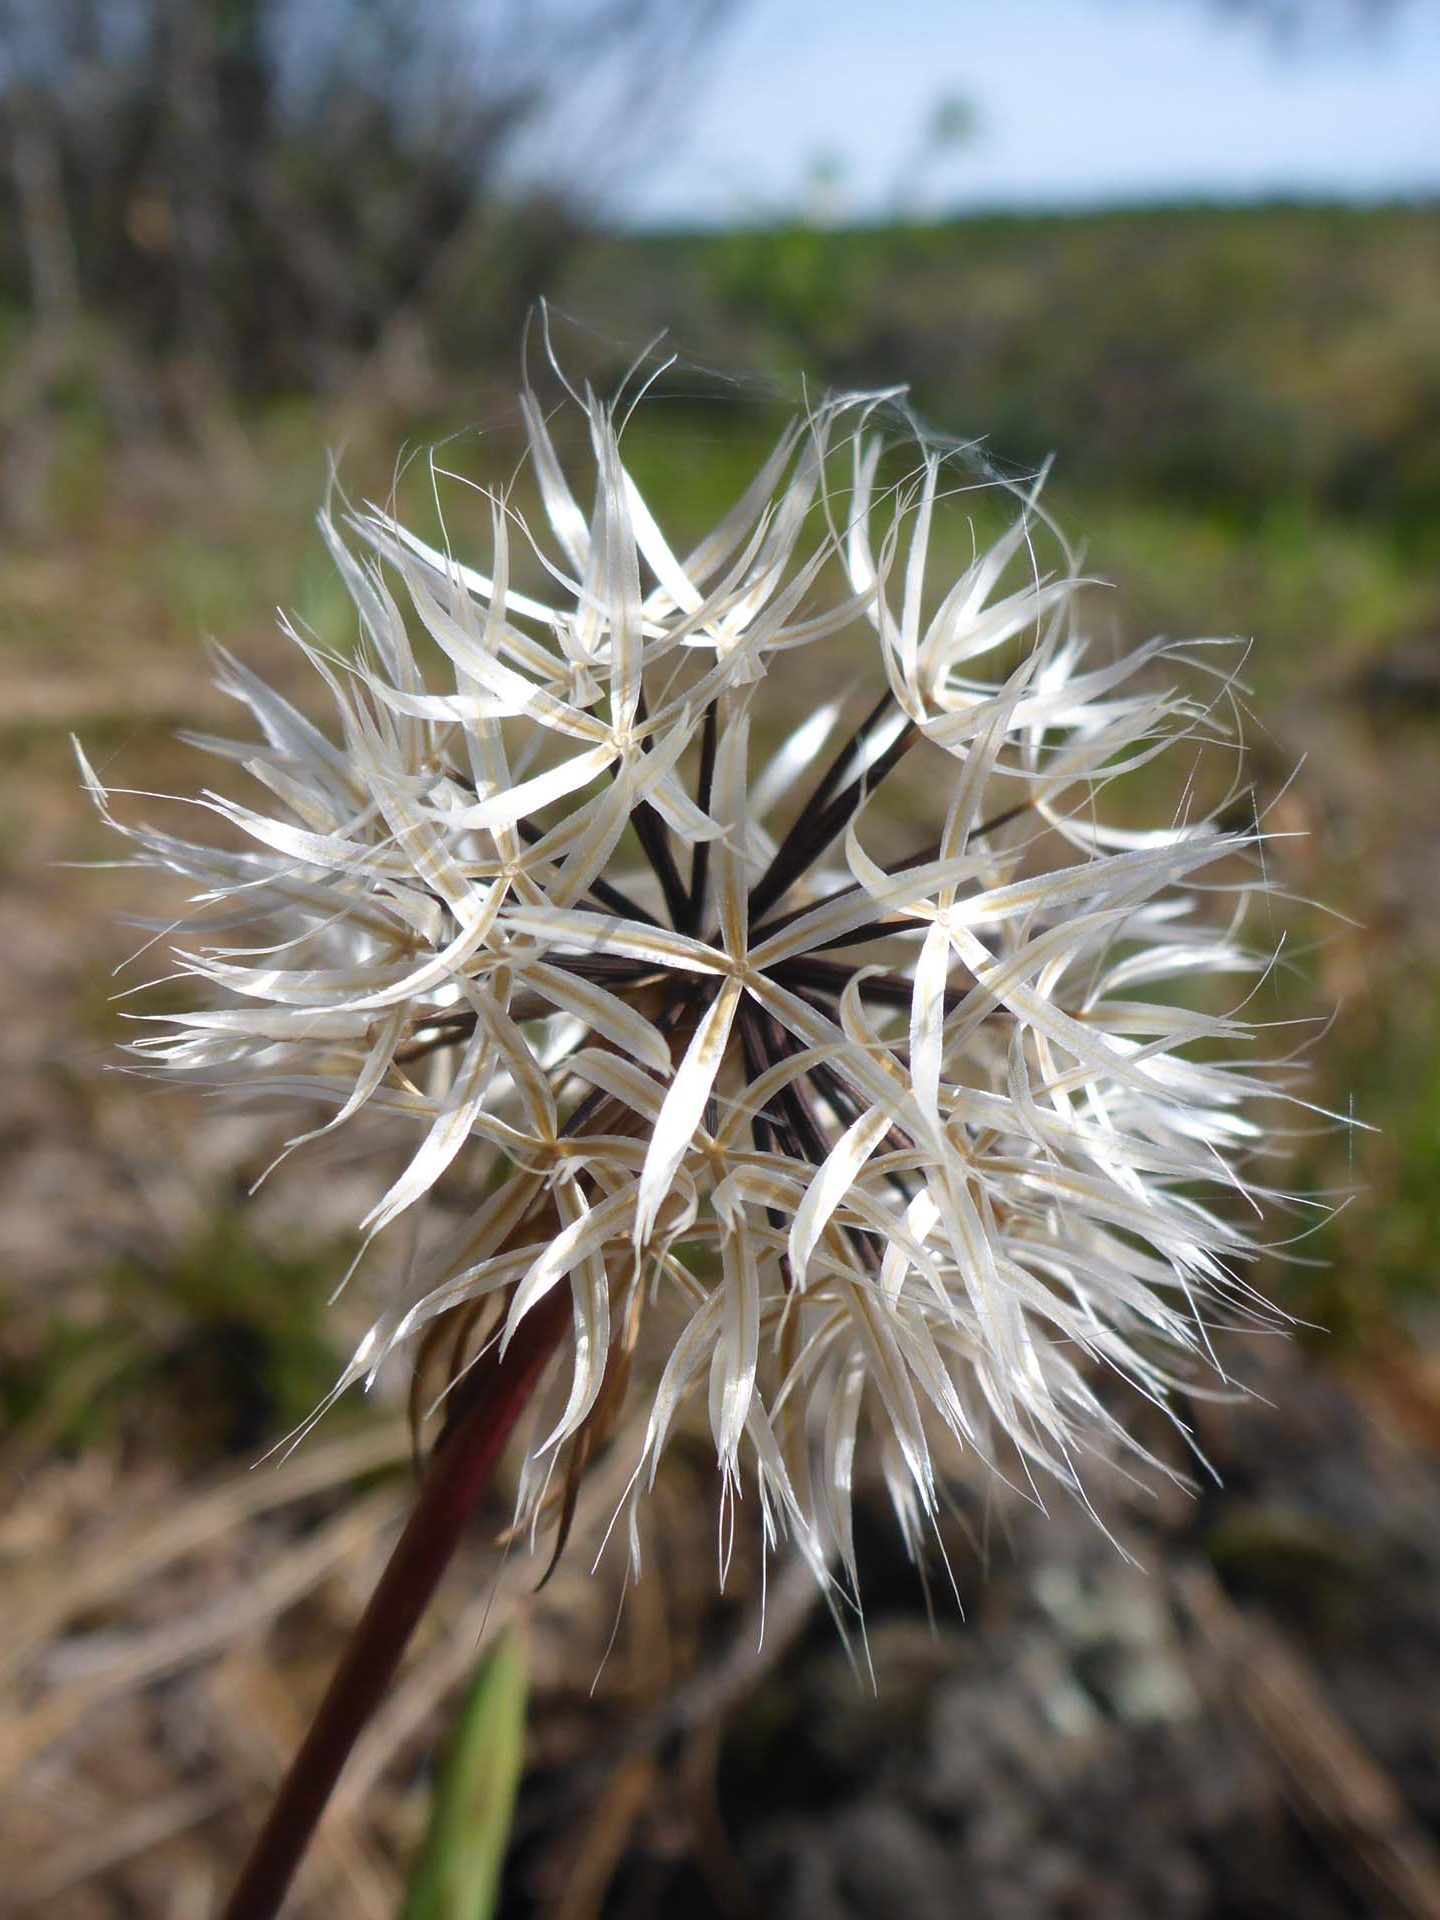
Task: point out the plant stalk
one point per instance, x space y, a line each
485 1408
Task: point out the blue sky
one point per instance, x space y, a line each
1079 101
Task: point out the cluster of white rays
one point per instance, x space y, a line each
913 1149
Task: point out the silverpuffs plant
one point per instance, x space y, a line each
751 917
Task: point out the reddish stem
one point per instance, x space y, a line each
489 1402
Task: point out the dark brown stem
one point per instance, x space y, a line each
654 838
600 891
700 862
833 774
819 825
486 1406
922 858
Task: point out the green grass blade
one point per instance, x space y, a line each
457 1875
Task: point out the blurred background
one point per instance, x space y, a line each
1191 250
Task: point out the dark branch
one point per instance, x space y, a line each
920 859
600 892
850 1106
855 744
654 838
830 978
700 864
813 832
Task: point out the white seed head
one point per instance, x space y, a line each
753 921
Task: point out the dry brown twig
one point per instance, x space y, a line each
1338 1788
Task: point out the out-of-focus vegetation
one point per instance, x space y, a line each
1230 360
266 188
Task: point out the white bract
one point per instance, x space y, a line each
856 1148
